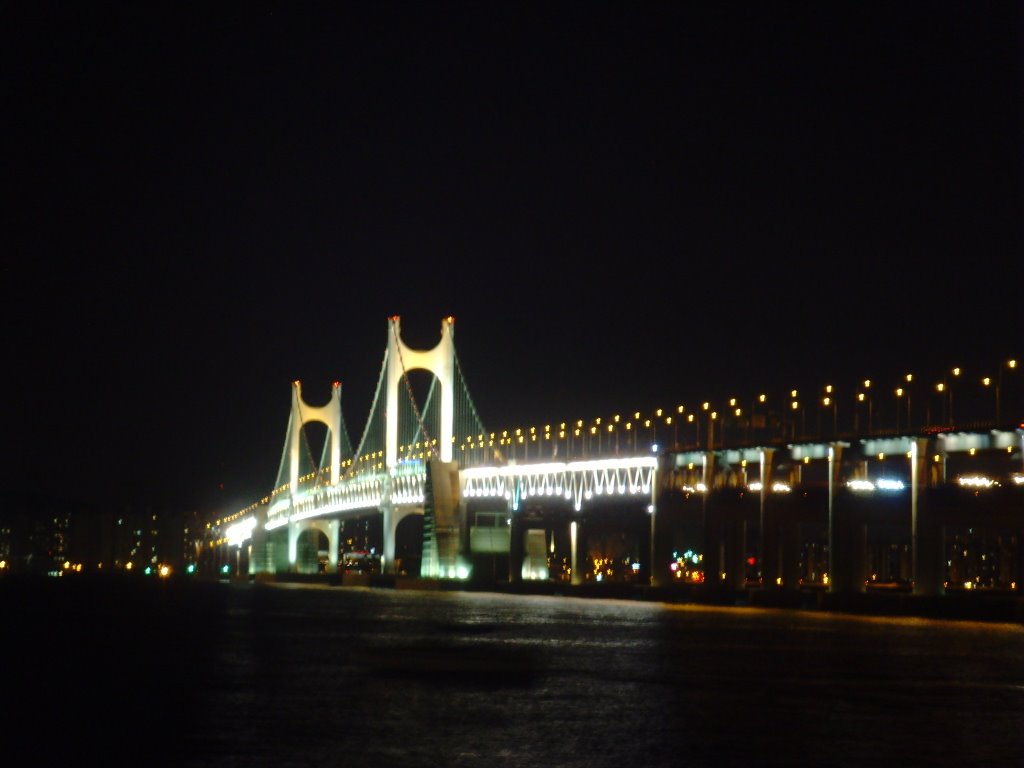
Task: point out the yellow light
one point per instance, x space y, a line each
705 405
867 383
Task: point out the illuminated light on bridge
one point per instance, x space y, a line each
578 480
888 484
976 481
777 487
860 485
882 484
239 532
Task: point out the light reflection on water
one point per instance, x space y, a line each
269 675
333 673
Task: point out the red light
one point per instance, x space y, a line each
751 560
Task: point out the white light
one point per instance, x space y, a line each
780 487
885 484
240 531
755 486
860 485
976 481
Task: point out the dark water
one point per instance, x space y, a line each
300 675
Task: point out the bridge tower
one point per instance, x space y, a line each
441 362
302 413
442 538
330 416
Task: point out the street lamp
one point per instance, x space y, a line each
1011 364
867 395
910 424
899 396
941 389
956 374
750 420
829 401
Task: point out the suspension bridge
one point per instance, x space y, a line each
478 499
413 460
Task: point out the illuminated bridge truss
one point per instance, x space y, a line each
577 481
402 486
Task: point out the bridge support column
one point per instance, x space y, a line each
293 546
835 454
926 534
574 542
333 529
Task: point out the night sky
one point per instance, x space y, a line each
623 205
